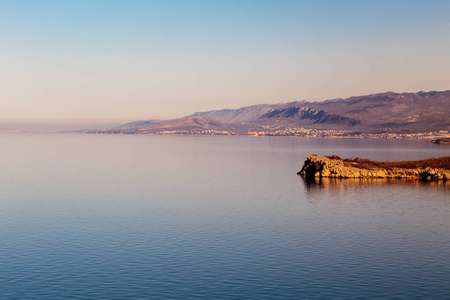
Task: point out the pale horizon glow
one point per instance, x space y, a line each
121 61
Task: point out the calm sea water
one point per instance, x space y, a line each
179 217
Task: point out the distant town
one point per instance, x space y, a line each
301 132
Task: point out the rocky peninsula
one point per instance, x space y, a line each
336 167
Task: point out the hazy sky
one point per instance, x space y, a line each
129 59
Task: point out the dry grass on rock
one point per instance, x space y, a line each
362 163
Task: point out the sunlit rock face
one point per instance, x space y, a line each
317 166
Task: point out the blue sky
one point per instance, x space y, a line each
127 60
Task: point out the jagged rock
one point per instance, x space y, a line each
317 166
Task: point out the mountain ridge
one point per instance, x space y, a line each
244 114
388 112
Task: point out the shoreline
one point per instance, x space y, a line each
429 136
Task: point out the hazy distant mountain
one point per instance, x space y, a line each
246 113
310 116
53 125
139 123
406 112
189 123
385 112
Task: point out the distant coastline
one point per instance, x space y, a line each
422 115
437 137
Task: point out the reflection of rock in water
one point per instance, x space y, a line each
313 184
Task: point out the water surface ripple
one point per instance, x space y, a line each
178 217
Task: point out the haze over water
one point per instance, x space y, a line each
135 216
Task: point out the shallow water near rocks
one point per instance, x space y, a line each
189 217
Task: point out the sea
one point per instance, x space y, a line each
89 216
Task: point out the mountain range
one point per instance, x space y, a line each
376 113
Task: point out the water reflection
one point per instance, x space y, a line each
336 184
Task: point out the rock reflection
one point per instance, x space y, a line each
334 185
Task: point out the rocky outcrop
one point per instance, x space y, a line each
317 166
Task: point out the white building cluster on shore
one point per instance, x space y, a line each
307 132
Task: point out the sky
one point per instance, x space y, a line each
130 60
